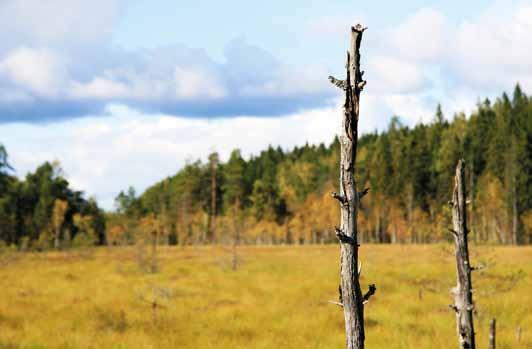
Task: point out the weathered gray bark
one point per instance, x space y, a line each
463 297
351 297
492 334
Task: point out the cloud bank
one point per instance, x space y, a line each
145 112
106 154
56 63
64 67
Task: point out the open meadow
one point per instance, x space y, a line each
277 298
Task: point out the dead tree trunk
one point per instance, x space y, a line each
351 297
492 334
213 159
515 219
154 241
57 245
236 235
234 252
463 297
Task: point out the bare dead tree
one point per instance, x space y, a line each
213 159
492 334
58 218
236 235
351 298
153 257
463 296
158 294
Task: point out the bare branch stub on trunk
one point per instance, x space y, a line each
463 296
351 296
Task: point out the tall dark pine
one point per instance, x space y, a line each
351 297
463 297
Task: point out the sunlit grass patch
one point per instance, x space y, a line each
277 298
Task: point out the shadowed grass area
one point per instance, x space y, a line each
276 299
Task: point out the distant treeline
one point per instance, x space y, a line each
41 211
284 196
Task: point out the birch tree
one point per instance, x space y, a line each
58 217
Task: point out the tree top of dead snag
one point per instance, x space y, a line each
359 28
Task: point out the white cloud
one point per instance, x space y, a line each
55 22
196 83
176 79
101 88
494 52
490 51
39 70
103 155
422 37
410 107
391 75
430 58
287 81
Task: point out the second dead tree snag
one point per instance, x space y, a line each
463 292
351 298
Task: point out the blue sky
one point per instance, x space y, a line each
277 26
124 92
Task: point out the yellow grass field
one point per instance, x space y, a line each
276 299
